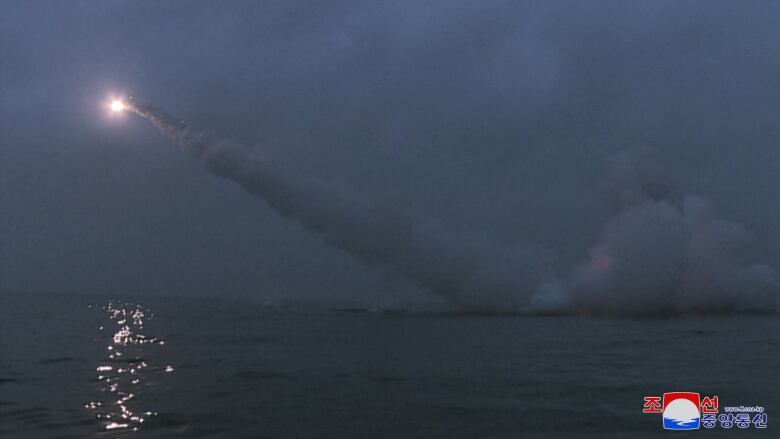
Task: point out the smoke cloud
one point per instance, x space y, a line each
655 255
659 256
475 273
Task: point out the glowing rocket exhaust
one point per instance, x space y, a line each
117 105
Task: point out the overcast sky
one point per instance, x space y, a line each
493 117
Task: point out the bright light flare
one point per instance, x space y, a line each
117 105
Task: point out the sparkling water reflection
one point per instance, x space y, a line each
245 370
124 371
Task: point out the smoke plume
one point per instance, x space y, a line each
474 272
654 255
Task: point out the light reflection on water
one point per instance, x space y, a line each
124 371
247 370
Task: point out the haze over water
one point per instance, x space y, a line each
232 368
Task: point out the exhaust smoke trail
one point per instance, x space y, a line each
655 255
474 273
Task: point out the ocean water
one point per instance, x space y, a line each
74 366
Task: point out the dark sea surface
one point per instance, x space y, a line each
193 367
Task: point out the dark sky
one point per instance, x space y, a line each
493 117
